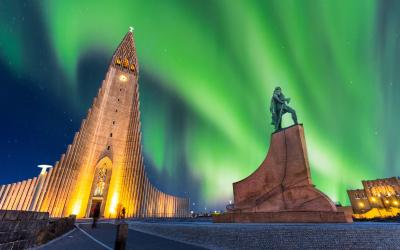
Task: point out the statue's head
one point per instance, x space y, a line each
278 90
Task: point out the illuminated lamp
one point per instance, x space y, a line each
44 167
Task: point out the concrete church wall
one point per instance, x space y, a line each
104 164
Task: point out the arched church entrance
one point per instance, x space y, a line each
100 185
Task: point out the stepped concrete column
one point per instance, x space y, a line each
39 185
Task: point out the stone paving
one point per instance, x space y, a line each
76 240
201 235
106 232
279 236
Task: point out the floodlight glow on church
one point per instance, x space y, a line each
104 164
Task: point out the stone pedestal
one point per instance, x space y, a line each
281 190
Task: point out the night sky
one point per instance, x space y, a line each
208 69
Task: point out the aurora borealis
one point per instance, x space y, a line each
207 72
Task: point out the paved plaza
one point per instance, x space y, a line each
206 235
365 235
103 237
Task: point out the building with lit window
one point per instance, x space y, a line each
104 164
379 198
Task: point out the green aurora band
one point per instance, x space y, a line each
337 60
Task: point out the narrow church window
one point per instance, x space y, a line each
101 180
108 148
126 63
110 134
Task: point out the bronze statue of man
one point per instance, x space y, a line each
279 107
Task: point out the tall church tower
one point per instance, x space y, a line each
104 164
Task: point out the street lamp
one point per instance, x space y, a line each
44 167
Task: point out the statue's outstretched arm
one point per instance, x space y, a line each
276 98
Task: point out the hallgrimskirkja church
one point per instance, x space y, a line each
104 164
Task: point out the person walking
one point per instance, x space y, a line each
96 215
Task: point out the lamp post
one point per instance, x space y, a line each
44 168
39 185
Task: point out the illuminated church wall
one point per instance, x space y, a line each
104 163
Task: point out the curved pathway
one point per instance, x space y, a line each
103 237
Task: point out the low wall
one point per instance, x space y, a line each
24 229
18 229
55 228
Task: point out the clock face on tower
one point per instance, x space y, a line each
123 78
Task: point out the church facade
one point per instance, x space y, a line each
104 164
378 198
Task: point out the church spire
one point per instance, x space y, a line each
124 57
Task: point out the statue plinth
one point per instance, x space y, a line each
281 190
